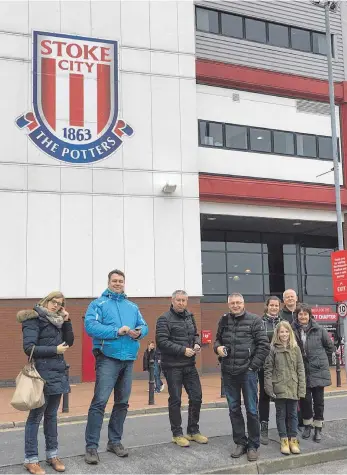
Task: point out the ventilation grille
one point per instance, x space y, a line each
310 107
236 97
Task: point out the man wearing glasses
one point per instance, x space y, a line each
242 346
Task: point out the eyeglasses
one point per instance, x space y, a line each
55 302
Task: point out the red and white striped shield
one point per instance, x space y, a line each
75 86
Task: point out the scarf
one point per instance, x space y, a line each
54 318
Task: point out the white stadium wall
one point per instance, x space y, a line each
64 226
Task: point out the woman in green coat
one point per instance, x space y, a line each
284 379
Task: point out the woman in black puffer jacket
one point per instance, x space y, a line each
315 345
48 329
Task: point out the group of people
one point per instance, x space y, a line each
286 351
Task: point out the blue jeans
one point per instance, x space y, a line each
158 381
111 375
247 383
50 412
287 417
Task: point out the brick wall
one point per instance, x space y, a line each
12 357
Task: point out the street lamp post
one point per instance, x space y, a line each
330 6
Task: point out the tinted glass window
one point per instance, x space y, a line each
214 284
316 285
301 39
244 263
211 134
236 137
207 20
306 145
245 284
212 246
316 265
278 35
319 43
260 140
232 25
289 264
213 262
316 251
325 148
243 247
284 143
255 30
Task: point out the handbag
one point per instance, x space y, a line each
29 388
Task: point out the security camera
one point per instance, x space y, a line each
333 6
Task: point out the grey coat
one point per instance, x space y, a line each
315 354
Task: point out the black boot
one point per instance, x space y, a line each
264 433
306 433
317 434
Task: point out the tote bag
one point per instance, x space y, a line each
29 388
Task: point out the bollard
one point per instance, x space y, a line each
222 390
338 371
65 407
151 383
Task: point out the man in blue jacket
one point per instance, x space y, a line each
116 325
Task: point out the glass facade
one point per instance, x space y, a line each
262 264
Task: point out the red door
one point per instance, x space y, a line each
88 360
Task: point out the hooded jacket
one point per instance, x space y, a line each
284 373
38 331
287 315
174 333
105 316
314 353
269 324
246 341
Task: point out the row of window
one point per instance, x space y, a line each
255 139
274 34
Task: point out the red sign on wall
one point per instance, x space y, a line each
206 337
324 314
339 275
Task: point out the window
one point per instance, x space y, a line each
319 43
284 143
306 145
315 265
317 285
207 20
232 25
278 35
245 284
213 262
236 137
260 140
243 263
274 34
255 30
300 39
325 148
211 134
214 284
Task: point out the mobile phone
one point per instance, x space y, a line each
225 351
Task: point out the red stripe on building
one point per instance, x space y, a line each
103 95
233 189
48 90
77 100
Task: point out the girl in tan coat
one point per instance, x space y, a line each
284 380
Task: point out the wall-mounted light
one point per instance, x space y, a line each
169 188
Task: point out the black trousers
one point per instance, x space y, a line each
315 395
264 399
187 377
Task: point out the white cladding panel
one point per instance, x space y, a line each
260 110
88 219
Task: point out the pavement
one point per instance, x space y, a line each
81 396
148 438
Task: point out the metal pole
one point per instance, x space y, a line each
334 144
338 370
65 407
151 383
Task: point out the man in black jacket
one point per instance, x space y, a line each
242 345
178 340
290 300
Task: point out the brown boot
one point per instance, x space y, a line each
34 468
57 464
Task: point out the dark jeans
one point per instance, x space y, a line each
158 381
264 399
50 412
189 378
317 395
247 383
287 417
111 375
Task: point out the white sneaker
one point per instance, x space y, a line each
162 387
